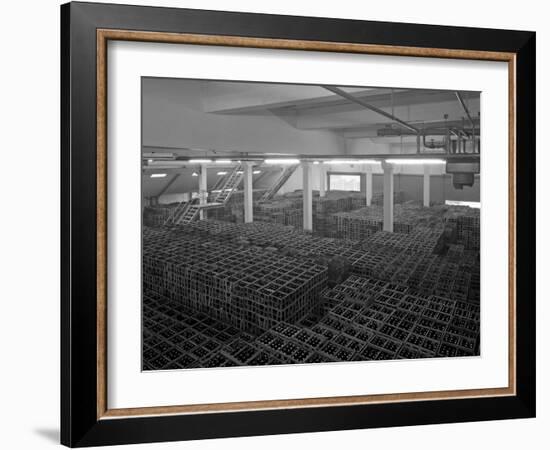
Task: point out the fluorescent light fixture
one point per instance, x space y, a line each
222 173
149 161
166 163
223 161
476 205
158 155
282 161
158 175
239 171
256 172
315 162
415 161
216 190
351 161
200 161
194 174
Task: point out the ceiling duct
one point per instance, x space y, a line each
462 179
463 172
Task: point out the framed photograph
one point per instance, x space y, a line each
276 224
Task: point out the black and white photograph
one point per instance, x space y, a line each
301 224
270 225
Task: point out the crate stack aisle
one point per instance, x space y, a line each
224 293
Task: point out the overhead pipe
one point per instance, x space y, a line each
465 108
314 158
366 105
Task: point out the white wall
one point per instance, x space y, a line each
30 282
295 181
361 146
407 178
173 116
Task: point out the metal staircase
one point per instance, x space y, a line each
183 213
190 214
283 177
225 186
220 182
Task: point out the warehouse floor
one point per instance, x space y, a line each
219 293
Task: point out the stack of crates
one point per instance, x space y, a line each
176 337
244 286
364 319
220 293
378 197
156 216
468 230
284 211
355 225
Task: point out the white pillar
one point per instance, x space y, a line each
308 196
426 185
203 188
322 180
388 196
247 181
368 183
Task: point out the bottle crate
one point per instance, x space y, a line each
345 341
408 351
372 353
156 216
317 357
263 358
385 343
216 360
336 352
325 330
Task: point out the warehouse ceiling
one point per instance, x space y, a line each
185 119
316 108
377 113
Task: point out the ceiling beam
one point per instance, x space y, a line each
167 185
366 105
259 157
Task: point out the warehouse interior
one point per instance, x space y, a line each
295 224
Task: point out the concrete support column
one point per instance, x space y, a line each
203 188
368 183
388 196
308 195
322 180
247 182
426 185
